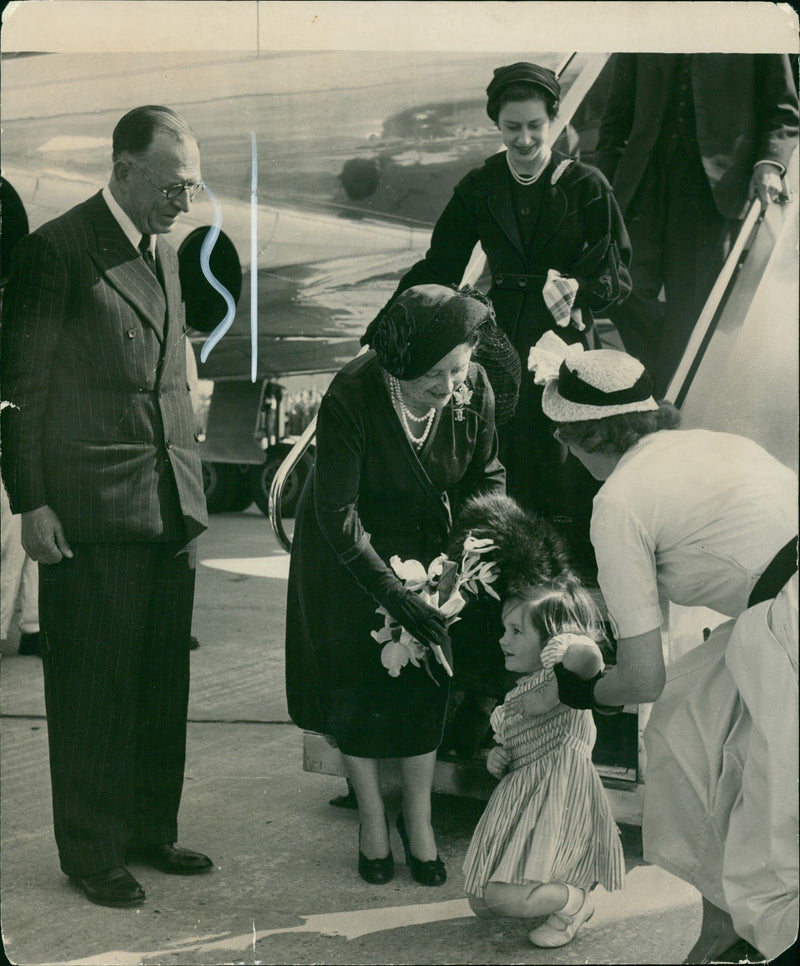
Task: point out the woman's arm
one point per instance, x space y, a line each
603 267
638 676
337 478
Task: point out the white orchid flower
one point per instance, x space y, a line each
394 658
454 605
382 636
436 566
411 572
476 545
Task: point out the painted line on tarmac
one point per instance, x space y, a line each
276 567
649 890
347 925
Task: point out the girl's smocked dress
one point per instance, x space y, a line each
549 819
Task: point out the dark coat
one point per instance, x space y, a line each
745 108
580 233
578 214
94 365
368 497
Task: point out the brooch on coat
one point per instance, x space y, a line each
461 397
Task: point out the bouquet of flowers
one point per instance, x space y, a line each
443 585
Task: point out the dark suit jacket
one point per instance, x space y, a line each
94 366
745 111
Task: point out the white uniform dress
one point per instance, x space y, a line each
549 819
697 516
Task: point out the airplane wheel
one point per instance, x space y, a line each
226 487
262 477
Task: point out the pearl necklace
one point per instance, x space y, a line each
527 179
406 414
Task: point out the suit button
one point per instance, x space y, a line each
524 211
131 333
498 280
522 282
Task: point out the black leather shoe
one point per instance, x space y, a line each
114 887
170 859
375 871
431 873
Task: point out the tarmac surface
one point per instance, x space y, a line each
285 887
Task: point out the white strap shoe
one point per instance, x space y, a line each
561 926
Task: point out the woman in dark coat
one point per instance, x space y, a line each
405 434
533 211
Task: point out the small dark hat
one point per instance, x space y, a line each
519 73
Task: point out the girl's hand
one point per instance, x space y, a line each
577 652
497 761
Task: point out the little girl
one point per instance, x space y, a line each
547 835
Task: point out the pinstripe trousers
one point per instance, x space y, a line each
115 624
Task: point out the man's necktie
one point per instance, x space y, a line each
147 254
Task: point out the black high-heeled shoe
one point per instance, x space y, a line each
431 873
374 871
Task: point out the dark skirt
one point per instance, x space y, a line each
336 683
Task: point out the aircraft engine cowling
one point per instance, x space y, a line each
205 307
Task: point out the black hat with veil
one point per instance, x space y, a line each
426 322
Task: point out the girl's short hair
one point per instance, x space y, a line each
558 607
616 434
523 91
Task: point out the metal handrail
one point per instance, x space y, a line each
471 273
293 457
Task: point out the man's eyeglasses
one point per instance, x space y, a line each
174 191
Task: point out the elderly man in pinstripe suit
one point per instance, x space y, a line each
100 458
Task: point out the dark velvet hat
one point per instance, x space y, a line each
422 326
520 73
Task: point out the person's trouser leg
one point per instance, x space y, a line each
697 240
115 624
640 317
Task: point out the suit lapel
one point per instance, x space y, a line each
125 270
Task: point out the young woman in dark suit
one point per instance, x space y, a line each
534 210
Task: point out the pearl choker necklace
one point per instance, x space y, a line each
406 414
528 179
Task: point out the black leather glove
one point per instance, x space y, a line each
422 621
576 692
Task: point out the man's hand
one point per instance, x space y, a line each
766 184
43 537
497 761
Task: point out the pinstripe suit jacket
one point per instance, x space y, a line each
93 364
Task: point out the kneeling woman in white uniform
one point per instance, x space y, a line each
701 519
